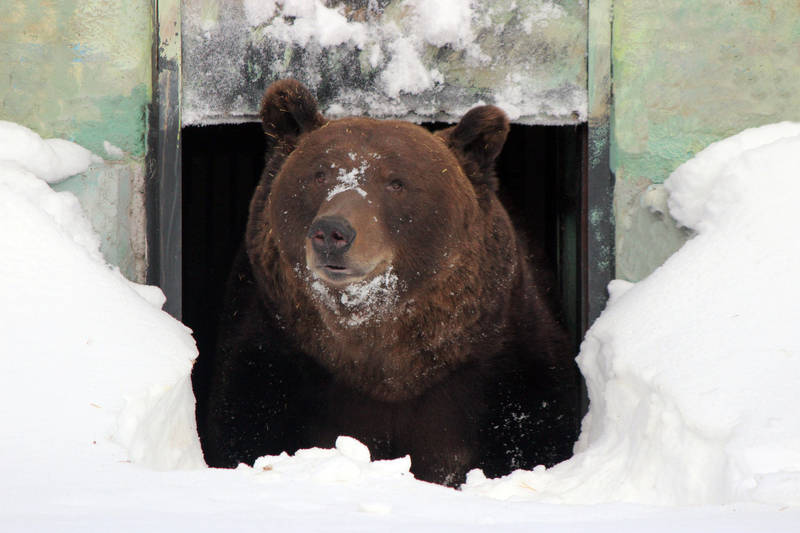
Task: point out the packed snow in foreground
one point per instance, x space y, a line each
692 376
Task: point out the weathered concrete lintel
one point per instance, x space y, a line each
527 56
211 120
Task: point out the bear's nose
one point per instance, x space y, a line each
331 235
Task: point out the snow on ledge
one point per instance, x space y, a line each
419 60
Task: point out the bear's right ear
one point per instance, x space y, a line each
288 110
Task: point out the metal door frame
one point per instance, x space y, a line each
164 195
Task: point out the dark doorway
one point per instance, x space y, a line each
221 167
541 171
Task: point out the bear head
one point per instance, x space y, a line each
381 246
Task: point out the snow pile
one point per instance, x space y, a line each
405 72
52 160
303 21
436 23
445 22
348 462
95 383
693 372
87 356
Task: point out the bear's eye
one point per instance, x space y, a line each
319 177
395 186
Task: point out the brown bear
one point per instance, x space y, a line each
383 293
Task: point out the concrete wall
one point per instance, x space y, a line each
81 70
388 58
685 74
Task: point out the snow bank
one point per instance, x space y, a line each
691 399
693 372
87 356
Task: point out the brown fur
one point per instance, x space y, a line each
465 366
444 308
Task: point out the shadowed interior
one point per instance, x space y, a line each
540 171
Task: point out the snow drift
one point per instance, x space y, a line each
86 354
692 375
693 372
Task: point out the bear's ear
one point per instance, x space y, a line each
477 140
288 110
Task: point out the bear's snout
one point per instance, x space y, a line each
334 254
331 236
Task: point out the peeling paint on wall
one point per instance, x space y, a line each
646 232
686 74
112 196
80 70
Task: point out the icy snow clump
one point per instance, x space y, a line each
52 160
693 372
348 462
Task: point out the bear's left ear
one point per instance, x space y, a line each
477 140
288 110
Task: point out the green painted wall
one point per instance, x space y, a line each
685 74
81 70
